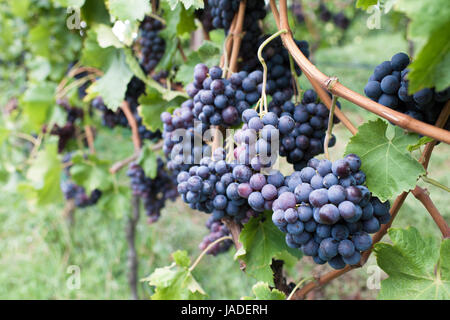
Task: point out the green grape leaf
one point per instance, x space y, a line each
91 172
129 9
37 103
175 282
428 24
106 38
95 56
113 84
262 291
181 258
208 53
134 66
95 12
196 4
389 168
148 161
44 175
365 4
261 242
152 104
431 67
416 267
422 141
68 3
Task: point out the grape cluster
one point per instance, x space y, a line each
153 191
219 101
298 130
222 12
68 130
327 212
212 187
180 135
217 230
152 45
388 85
339 19
74 191
297 11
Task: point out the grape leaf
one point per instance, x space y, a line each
95 56
431 67
175 282
148 161
416 267
37 103
68 3
262 291
129 9
113 84
262 241
152 104
428 24
208 53
196 4
389 168
106 38
90 173
365 4
44 175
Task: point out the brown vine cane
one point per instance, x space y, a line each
340 90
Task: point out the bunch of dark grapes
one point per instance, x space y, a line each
222 12
299 132
183 138
217 230
153 191
341 20
388 85
68 130
75 192
219 101
212 187
327 212
254 12
205 17
279 75
152 45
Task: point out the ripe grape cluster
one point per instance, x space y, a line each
222 12
388 85
217 230
68 130
219 101
298 130
153 191
75 192
327 212
212 187
152 45
339 19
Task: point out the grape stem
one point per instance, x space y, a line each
435 183
424 198
202 254
297 87
261 59
298 286
330 127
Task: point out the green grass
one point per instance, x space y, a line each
37 245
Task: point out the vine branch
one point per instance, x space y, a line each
422 196
340 90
